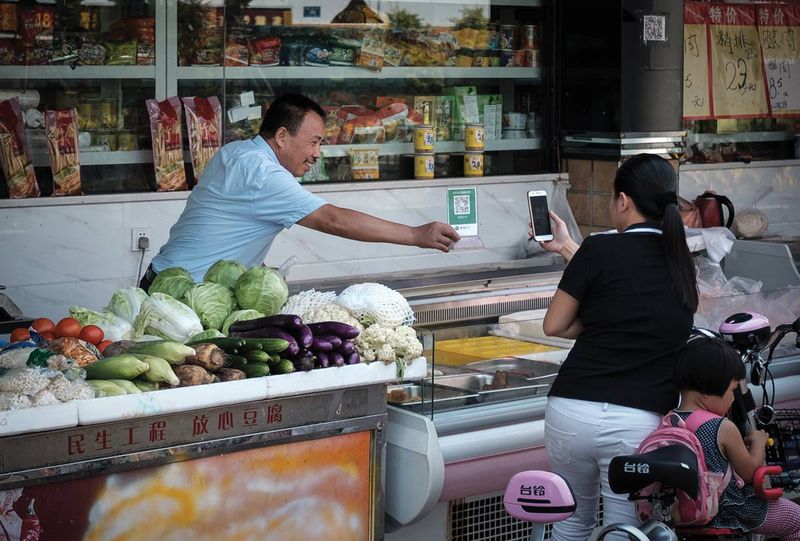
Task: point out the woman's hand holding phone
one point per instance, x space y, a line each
562 242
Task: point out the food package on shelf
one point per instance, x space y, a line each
62 144
204 127
364 163
165 128
14 154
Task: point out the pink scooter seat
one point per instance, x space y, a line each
539 496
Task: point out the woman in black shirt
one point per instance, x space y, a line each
628 299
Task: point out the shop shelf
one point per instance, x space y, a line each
442 147
347 72
80 72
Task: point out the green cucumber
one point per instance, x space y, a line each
256 370
270 345
228 344
285 366
258 356
235 361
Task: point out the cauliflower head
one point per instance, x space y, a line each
378 343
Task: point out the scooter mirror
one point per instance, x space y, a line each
539 496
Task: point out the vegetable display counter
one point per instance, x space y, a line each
297 463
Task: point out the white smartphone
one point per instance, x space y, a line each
540 215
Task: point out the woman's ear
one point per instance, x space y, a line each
623 202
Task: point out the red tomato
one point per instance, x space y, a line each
19 334
68 326
92 334
48 335
42 325
103 345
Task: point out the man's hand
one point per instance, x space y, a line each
435 235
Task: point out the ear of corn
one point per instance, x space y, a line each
116 367
104 387
159 370
129 386
172 352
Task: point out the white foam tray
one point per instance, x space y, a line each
114 408
38 419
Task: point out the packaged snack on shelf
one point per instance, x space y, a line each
62 145
317 173
265 51
425 106
92 53
127 140
106 140
204 127
121 53
14 154
372 52
362 128
393 119
7 52
165 129
364 163
8 17
333 124
344 51
36 26
145 54
317 55
444 106
236 52
65 49
394 54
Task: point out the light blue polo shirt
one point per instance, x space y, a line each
243 200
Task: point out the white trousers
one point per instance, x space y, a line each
581 438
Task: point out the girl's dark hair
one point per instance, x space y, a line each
651 182
707 365
288 111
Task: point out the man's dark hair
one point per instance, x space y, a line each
288 111
707 365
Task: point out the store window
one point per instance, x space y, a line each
139 73
741 83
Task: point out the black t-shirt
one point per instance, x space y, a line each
633 322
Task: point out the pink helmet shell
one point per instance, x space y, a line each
539 496
745 329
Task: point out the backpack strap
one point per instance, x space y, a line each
693 422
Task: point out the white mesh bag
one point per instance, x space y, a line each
307 300
376 303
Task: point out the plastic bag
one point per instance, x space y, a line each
712 282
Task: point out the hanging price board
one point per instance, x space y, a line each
696 67
779 31
737 73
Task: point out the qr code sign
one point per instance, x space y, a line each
655 28
461 205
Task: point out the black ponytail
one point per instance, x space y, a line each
651 182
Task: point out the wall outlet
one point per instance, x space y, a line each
141 233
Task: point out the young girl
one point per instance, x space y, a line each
707 373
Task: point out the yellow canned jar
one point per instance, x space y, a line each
473 164
424 137
423 166
473 136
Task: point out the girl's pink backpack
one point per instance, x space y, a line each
687 511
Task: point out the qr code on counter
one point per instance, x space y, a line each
461 205
655 28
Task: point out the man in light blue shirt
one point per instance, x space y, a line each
248 193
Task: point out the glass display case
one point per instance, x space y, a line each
380 70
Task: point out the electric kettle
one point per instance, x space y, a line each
710 206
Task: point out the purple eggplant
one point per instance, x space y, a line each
320 345
303 335
284 321
304 363
347 347
353 358
270 332
336 358
335 341
342 330
322 359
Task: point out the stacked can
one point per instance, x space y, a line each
473 150
424 138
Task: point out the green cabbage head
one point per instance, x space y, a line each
262 289
212 302
173 281
205 335
224 272
239 315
